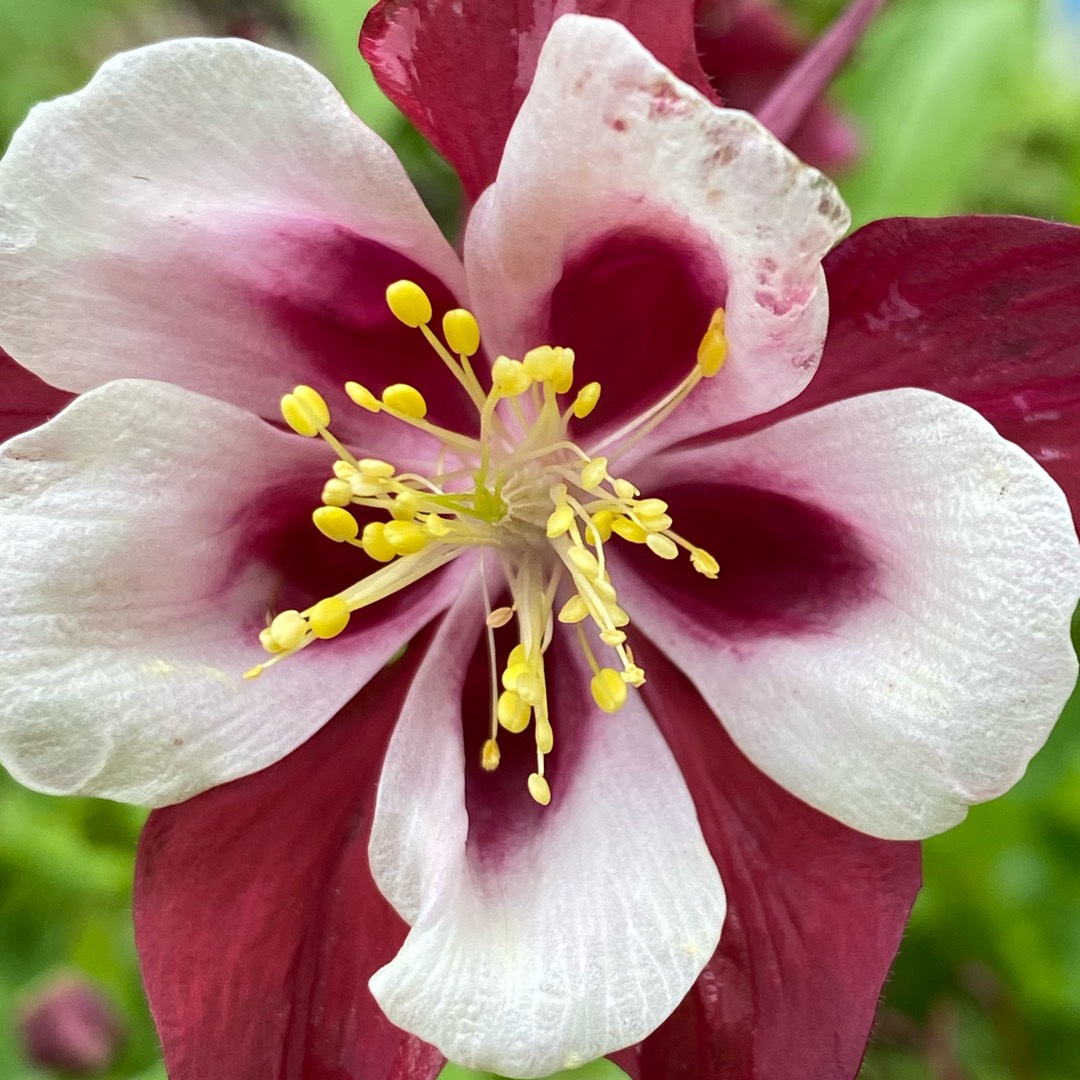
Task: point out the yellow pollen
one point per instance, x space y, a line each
539 789
406 399
409 303
513 713
362 396
329 617
305 411
712 352
374 542
337 493
287 630
541 510
509 377
405 537
608 690
704 563
462 332
593 473
586 400
489 755
336 523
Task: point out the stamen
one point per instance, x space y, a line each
524 488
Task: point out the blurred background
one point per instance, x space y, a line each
950 106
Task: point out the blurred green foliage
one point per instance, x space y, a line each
961 110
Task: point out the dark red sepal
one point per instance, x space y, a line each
460 69
985 310
25 401
815 914
258 923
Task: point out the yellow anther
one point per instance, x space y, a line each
616 614
489 755
267 641
409 303
375 468
602 521
344 470
436 525
512 712
629 530
253 673
550 364
651 507
593 473
633 675
539 789
658 524
574 610
585 561
704 563
406 399
287 630
560 519
625 490
374 542
514 669
530 686
509 377
336 493
612 637
462 331
336 523
406 505
405 537
329 617
662 545
545 737
315 404
712 352
604 589
517 655
362 396
298 416
586 400
608 690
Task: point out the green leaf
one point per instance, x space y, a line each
595 1070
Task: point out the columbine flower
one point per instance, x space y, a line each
874 596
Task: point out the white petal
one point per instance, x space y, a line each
138 538
928 685
608 143
584 927
165 221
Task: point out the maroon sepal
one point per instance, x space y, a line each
25 401
985 310
815 914
259 925
460 69
748 54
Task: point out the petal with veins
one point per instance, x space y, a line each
144 534
891 641
208 213
616 173
542 937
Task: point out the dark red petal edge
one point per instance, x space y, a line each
460 69
25 401
985 310
815 914
258 923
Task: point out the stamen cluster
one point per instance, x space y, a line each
523 492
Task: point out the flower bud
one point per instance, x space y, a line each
69 1026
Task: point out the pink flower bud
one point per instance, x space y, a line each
69 1025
